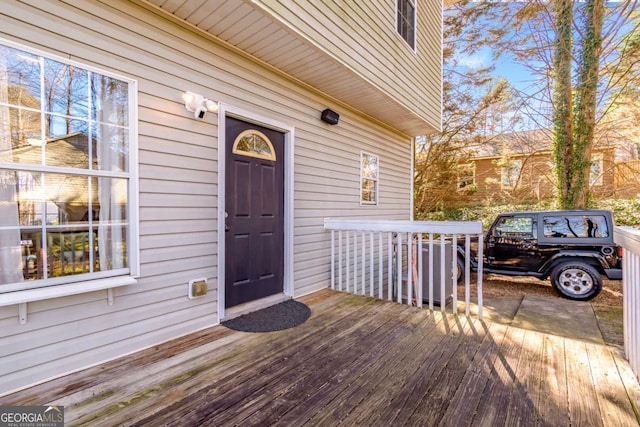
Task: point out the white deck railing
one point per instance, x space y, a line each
629 239
372 257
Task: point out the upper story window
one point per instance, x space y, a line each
406 21
66 172
368 179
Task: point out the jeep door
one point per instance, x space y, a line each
512 244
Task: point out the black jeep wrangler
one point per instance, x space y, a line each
574 248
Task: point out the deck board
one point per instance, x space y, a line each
472 386
356 361
553 374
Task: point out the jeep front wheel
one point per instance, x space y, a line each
576 281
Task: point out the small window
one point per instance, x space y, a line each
595 177
369 179
466 176
571 226
254 143
511 174
406 21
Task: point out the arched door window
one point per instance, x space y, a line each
254 143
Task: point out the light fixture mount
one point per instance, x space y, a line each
198 104
330 116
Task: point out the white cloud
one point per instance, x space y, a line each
478 60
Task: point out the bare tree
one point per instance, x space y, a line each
582 59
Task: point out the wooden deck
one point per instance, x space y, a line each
356 361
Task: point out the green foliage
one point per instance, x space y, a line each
625 211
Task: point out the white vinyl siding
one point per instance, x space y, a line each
178 181
363 36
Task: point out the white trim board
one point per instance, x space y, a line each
225 110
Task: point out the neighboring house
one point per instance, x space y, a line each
126 220
519 167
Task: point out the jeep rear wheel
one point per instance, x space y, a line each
576 281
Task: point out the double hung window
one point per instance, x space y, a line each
368 179
66 172
511 174
406 21
597 169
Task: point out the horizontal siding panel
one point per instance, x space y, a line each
175 187
178 174
185 175
104 318
152 134
168 159
186 263
176 252
169 227
178 323
178 213
187 200
179 239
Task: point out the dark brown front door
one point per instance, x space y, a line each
254 236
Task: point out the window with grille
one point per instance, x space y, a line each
406 21
66 172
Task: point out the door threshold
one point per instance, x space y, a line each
259 304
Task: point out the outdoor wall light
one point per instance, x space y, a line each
198 104
330 117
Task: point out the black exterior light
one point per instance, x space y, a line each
330 117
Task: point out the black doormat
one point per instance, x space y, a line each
281 316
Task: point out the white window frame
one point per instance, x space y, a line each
28 291
376 180
595 175
471 166
411 43
505 180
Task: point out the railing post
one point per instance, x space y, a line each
479 277
409 269
399 267
347 254
364 275
380 265
389 266
467 274
443 264
340 260
333 260
372 256
430 271
454 273
420 272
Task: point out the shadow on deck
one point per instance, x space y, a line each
357 360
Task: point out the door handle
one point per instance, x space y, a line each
226 227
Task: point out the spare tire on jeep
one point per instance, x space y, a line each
576 280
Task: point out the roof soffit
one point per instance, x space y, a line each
245 26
